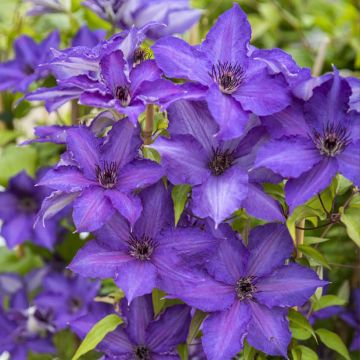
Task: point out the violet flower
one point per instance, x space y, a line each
88 38
247 292
233 83
65 297
177 15
132 256
105 178
19 204
217 170
41 7
314 141
19 73
352 318
142 336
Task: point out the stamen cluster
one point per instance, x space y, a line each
245 287
140 55
221 161
142 353
108 175
142 248
332 141
123 94
229 77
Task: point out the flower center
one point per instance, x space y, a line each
28 205
141 55
229 77
142 248
221 161
142 353
28 69
123 94
332 141
75 305
107 176
245 287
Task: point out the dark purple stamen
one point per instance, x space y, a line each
141 55
142 353
142 248
107 175
123 94
245 287
221 161
332 141
229 77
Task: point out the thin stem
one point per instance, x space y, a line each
313 228
322 204
320 57
299 236
149 124
75 112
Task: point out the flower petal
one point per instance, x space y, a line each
66 178
288 157
177 59
302 189
269 330
8 205
145 71
287 286
95 260
269 245
85 148
92 209
349 161
228 113
127 205
17 230
139 174
220 195
261 205
228 39
183 158
224 332
263 94
121 152
137 278
170 330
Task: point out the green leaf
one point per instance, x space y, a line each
14 159
314 254
306 353
97 333
310 240
179 195
196 322
333 341
7 135
328 300
158 300
249 352
300 326
183 352
351 219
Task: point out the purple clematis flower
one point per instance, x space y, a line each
66 297
18 74
142 336
177 15
217 170
314 141
41 7
24 328
353 319
247 292
132 256
19 204
233 83
105 178
88 38
128 92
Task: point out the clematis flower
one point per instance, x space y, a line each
19 73
233 83
87 37
352 318
66 297
217 170
177 15
19 204
314 141
41 7
129 93
142 336
247 292
105 178
131 256
24 328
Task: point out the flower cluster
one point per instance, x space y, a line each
238 117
